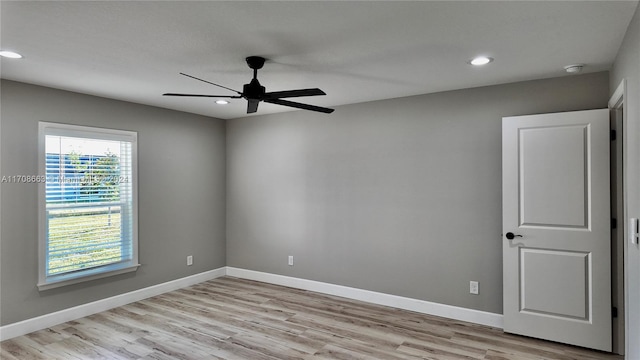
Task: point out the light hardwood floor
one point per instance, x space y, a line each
229 318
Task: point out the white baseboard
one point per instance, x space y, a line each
421 306
59 317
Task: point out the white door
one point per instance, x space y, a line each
556 227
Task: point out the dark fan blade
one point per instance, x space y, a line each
209 82
199 95
294 93
299 105
252 105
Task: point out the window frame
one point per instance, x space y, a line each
49 282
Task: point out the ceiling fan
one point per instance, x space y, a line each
254 92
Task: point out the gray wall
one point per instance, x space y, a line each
400 196
181 195
627 66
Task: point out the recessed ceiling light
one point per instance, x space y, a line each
573 68
10 54
480 60
222 102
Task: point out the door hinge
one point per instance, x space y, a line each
614 223
613 135
614 312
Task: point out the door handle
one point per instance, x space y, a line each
512 236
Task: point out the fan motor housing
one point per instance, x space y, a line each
253 90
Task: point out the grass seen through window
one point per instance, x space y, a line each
83 238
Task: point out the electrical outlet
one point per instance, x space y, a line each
474 287
189 260
290 260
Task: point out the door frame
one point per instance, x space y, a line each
620 295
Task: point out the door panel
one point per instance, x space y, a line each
570 273
558 199
556 269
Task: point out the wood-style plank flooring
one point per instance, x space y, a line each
229 318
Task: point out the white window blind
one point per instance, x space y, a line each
89 219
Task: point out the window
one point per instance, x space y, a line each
87 197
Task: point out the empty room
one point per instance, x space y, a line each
320 180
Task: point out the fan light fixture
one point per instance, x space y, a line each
480 60
10 54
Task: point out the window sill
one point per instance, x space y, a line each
92 274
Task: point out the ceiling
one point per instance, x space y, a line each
355 51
